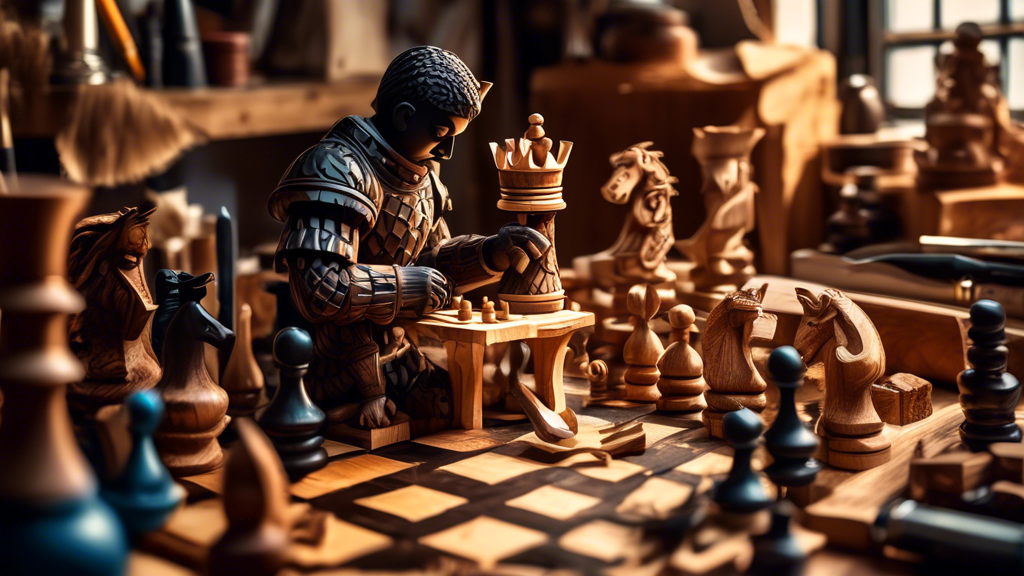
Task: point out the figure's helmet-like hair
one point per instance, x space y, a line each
432 75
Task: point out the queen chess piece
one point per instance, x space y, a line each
291 420
988 394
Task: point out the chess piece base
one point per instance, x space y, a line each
371 439
647 394
301 458
534 303
188 454
978 437
861 453
682 403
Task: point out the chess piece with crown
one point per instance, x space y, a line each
530 178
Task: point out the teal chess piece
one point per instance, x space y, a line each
144 495
789 441
741 492
292 420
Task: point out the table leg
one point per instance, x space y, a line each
466 368
548 358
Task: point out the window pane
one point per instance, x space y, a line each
910 76
990 48
800 25
956 12
1015 82
1017 10
910 15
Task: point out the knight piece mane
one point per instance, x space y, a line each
96 238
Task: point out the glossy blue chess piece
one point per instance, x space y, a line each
143 494
789 441
741 492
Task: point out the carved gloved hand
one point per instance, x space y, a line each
423 289
514 245
376 412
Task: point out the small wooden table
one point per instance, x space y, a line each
547 335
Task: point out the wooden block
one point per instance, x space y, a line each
375 438
1008 499
1009 461
902 399
949 474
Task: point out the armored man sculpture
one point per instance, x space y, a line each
365 246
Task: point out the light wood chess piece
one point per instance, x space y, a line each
729 371
643 349
832 324
487 314
243 379
681 382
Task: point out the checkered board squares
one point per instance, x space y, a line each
485 540
413 503
554 502
491 468
606 541
341 474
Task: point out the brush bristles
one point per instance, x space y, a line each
26 53
120 134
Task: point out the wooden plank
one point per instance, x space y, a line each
228 113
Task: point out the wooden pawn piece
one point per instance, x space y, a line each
487 314
256 504
502 313
465 310
243 379
681 382
643 348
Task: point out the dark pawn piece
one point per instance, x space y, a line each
741 492
988 395
778 552
788 440
144 495
292 420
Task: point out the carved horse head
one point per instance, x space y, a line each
832 315
634 166
191 327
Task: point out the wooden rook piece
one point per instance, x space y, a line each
256 504
643 348
143 494
243 379
530 178
902 399
716 259
112 335
50 517
292 421
988 394
778 552
741 492
487 314
196 406
855 437
790 443
732 380
681 381
465 310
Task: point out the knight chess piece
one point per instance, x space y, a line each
643 348
143 494
530 178
778 552
256 505
196 406
291 420
741 492
855 437
173 289
242 378
50 516
733 381
988 394
715 258
681 382
791 444
112 335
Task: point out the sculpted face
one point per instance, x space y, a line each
424 133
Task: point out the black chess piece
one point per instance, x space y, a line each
778 552
988 394
144 495
741 491
788 440
292 420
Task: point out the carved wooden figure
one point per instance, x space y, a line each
530 178
643 348
733 382
681 382
854 358
716 257
256 504
242 378
642 181
112 335
196 406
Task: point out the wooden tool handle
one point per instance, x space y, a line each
115 24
